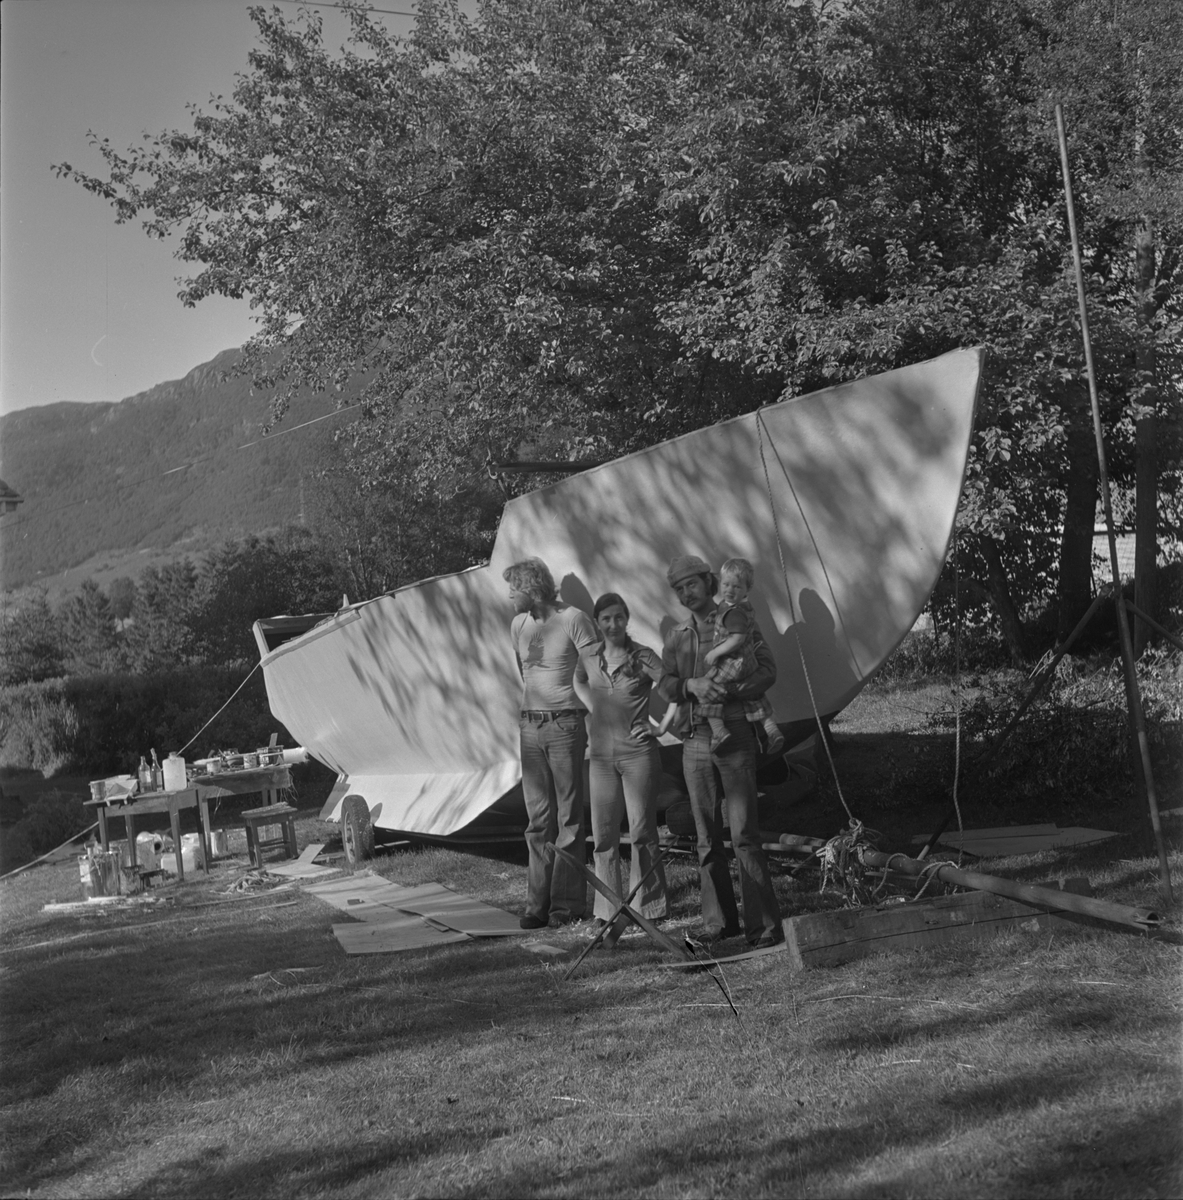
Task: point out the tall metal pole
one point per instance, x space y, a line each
1133 696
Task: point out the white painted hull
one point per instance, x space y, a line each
414 695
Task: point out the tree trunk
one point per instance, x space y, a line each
1074 586
999 587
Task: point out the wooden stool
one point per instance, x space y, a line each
255 819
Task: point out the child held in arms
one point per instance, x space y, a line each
731 657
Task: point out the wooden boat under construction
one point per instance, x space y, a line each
844 500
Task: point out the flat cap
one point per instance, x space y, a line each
684 567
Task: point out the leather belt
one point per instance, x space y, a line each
549 714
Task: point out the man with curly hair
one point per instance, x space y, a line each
548 637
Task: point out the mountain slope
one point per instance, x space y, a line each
102 477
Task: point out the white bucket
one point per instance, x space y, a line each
148 849
188 859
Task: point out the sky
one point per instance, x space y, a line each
88 308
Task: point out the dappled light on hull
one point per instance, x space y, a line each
853 489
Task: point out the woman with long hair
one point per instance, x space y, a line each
615 680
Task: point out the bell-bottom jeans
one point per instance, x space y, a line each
733 766
552 784
628 782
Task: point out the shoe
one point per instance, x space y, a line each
767 940
712 935
529 922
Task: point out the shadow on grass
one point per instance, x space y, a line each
857 1153
310 1169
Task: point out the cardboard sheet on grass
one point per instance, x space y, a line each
302 867
1018 839
392 917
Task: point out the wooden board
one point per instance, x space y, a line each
829 938
1018 839
303 867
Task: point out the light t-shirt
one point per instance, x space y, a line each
548 652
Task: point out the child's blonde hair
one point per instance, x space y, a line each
740 567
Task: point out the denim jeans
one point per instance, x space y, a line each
552 784
628 782
733 764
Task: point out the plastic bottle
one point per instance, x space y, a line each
174 773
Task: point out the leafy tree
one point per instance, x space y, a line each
1118 68
243 580
30 641
160 635
122 594
88 630
586 227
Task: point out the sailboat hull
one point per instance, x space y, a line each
844 500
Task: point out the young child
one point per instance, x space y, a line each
731 658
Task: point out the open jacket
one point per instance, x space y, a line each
679 662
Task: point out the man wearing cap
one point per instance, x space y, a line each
684 682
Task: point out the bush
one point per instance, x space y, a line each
38 726
927 653
1073 744
53 819
100 725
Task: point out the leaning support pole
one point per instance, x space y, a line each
1087 906
1133 696
1154 625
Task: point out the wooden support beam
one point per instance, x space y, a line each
825 939
1048 898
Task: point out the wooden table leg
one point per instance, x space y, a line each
103 840
174 820
206 832
289 836
129 827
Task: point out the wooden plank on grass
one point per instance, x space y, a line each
828 938
302 867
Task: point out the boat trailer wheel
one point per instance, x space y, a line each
357 831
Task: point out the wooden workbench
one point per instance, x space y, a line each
265 781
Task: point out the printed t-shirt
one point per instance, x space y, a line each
548 652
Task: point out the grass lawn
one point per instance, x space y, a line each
215 1046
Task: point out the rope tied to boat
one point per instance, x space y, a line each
761 433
